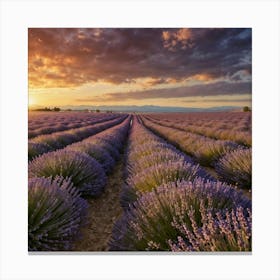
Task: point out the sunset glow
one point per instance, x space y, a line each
163 67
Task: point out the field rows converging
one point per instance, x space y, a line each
237 121
170 204
133 184
217 132
60 183
139 140
58 140
46 125
231 161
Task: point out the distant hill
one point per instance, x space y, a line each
151 108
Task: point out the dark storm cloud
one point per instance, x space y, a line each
72 57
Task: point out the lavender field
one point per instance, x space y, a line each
140 182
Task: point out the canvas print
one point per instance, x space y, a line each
140 139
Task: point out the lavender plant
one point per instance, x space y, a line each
209 152
236 168
154 176
55 213
56 140
149 223
164 155
147 149
36 149
106 145
86 174
96 152
227 231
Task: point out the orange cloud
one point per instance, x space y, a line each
73 57
202 77
182 38
183 34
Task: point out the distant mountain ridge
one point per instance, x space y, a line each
150 108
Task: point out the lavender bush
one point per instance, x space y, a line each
56 140
208 152
96 152
55 213
86 174
148 149
149 223
236 168
36 149
106 145
164 155
162 173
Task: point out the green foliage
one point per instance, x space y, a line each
246 109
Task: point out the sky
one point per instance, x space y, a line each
177 67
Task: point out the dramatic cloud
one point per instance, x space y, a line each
214 89
74 57
182 37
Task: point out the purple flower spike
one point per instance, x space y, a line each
157 217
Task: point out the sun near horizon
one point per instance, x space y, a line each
182 67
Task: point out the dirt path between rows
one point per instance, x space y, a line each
102 214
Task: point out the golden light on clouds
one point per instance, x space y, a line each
69 66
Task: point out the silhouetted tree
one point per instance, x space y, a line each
246 109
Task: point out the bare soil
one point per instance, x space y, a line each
102 214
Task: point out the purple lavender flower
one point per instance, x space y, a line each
55 213
209 151
96 152
236 168
164 155
86 174
228 231
217 130
152 220
106 145
154 176
204 149
36 149
58 140
112 140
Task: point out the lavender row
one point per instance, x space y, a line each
60 181
38 119
204 149
84 162
151 162
51 125
105 146
232 162
48 120
165 195
237 121
240 137
57 140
